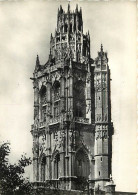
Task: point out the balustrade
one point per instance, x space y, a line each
81 120
54 120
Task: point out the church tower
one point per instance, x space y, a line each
103 124
72 129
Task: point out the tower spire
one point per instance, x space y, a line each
37 61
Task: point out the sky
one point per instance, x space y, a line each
25 28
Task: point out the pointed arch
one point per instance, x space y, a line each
56 161
43 101
82 163
84 148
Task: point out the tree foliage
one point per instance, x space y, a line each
12 181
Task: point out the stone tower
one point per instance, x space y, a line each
72 130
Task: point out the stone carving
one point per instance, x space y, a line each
62 138
98 117
42 146
81 120
88 78
101 134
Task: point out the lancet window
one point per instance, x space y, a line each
56 99
43 102
56 166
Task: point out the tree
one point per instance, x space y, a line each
12 181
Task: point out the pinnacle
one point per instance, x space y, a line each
101 47
77 7
37 60
69 6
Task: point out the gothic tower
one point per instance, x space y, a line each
72 130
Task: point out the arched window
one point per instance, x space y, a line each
56 99
82 165
43 169
56 166
43 101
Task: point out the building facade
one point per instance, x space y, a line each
72 130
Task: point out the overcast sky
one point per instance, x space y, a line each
25 29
